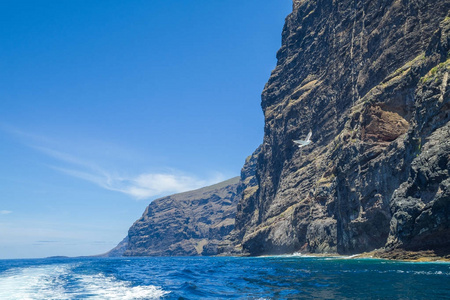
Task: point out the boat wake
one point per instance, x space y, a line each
61 282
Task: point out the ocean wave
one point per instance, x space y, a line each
59 282
319 256
100 286
419 272
396 271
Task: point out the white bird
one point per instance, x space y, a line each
307 141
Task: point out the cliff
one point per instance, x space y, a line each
185 224
369 78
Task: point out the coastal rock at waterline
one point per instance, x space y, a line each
186 224
370 79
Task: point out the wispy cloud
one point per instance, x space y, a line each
144 185
5 212
23 135
47 242
139 185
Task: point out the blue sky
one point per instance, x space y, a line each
107 105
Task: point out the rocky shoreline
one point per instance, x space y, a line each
410 256
395 255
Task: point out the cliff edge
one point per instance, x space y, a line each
370 80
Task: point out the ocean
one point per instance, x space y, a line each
275 277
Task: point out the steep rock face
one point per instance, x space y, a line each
421 205
247 193
186 224
369 78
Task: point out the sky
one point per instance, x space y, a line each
108 105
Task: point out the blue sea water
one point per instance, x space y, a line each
277 277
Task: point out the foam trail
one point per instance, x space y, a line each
46 282
100 286
59 282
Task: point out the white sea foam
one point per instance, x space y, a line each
408 272
423 272
59 282
295 254
301 254
44 282
100 286
319 256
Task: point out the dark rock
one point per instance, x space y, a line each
369 78
186 224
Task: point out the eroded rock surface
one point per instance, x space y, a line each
186 224
370 79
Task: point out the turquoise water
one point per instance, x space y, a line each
282 277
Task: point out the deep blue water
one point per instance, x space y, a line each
281 277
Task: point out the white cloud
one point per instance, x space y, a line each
145 185
149 185
139 185
5 212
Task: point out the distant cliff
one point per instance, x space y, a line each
370 79
186 224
